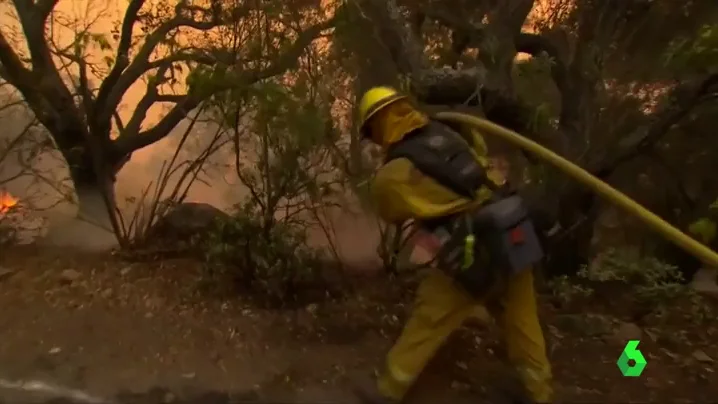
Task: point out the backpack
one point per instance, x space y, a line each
482 245
442 153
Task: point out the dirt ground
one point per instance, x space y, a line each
98 329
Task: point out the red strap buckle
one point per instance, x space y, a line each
517 236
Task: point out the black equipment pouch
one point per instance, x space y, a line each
482 246
485 244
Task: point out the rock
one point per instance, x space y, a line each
70 275
671 354
186 220
701 356
705 282
106 294
6 273
626 332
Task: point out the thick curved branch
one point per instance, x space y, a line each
685 98
118 122
151 96
42 85
14 72
140 65
473 33
182 56
32 21
122 58
535 45
403 46
444 86
45 7
11 67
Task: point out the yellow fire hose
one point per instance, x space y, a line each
700 251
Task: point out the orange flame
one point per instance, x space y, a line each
7 201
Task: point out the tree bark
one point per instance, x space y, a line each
92 171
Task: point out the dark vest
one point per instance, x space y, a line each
446 156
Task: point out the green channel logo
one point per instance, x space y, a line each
631 363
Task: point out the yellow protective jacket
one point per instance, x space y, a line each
401 192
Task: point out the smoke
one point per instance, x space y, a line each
146 166
353 233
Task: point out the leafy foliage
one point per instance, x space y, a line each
275 262
650 283
705 228
697 54
283 157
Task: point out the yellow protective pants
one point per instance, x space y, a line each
442 306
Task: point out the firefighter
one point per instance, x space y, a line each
401 191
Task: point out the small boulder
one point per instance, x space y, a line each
70 275
106 294
701 356
187 220
6 273
624 333
705 282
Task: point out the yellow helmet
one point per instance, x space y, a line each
373 101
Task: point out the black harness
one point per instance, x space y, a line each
444 155
480 245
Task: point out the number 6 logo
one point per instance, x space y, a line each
631 354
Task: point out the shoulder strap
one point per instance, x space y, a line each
444 155
458 129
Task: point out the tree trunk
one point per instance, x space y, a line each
94 183
91 229
569 250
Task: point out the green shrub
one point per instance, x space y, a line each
272 260
650 282
649 277
566 289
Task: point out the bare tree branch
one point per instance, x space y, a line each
45 7
12 68
122 59
112 91
287 59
